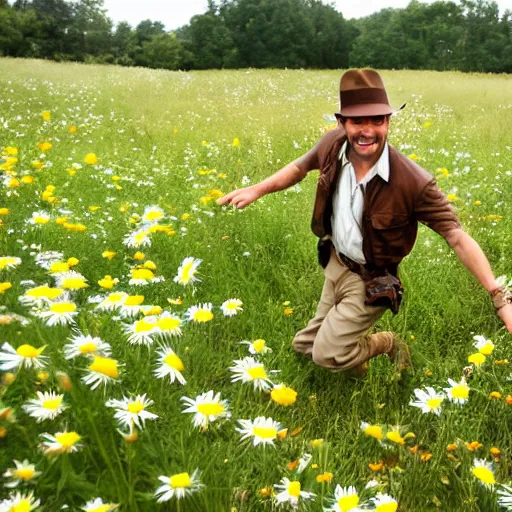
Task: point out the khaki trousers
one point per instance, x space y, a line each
336 338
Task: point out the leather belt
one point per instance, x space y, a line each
352 265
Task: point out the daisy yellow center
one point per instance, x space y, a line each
142 273
63 307
294 489
105 366
153 215
477 359
143 326
135 407
211 409
186 273
395 437
22 506
347 503
203 315
258 372
460 392
154 310
41 220
232 305
168 324
74 283
24 473
134 300
485 475
53 403
59 267
486 349
4 262
265 432
140 237
44 291
67 439
87 348
180 480
28 351
434 403
115 297
174 361
101 508
258 345
374 431
387 507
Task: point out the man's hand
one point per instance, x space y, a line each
241 197
505 313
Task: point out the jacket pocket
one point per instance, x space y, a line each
389 234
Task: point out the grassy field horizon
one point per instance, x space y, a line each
118 169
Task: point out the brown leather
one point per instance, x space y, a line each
391 210
500 297
385 290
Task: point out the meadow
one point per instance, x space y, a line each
109 320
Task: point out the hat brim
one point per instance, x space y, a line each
368 110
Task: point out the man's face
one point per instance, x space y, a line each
367 135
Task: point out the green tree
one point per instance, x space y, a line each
162 51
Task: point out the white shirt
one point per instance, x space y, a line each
348 201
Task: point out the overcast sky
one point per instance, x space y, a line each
175 13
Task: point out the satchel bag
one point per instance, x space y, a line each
385 290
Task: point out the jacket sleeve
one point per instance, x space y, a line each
434 210
316 157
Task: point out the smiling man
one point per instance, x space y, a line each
369 200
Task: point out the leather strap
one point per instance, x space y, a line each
500 297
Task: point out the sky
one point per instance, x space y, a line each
175 13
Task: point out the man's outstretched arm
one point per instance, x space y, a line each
473 258
286 177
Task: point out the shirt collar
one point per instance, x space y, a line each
381 167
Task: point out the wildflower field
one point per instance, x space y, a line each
145 331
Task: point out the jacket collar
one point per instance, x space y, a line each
381 168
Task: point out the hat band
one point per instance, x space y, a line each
362 96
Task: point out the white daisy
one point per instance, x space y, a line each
59 313
97 505
262 430
131 306
152 215
291 493
483 345
428 401
141 332
169 365
250 370
258 346
231 307
8 262
346 499
458 392
46 259
62 442
19 502
39 218
112 301
138 238
132 410
505 499
40 296
102 370
483 470
143 277
46 406
200 313
25 356
384 503
178 486
71 280
86 345
187 271
22 473
169 325
207 408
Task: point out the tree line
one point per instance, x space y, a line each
467 36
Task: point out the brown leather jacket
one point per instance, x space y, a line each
391 209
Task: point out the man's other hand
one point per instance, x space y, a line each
505 313
241 197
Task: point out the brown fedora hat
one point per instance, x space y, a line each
362 94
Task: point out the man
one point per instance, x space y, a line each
368 203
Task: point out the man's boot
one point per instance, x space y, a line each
389 343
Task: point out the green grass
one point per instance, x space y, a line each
149 127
